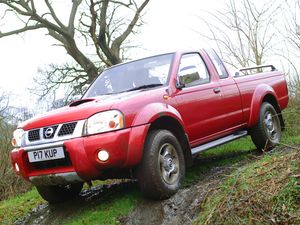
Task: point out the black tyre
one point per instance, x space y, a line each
162 169
267 132
59 193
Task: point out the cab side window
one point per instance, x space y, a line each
222 72
192 70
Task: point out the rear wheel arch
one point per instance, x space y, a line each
263 93
173 125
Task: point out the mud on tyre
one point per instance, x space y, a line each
161 172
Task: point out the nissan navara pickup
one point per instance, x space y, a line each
146 120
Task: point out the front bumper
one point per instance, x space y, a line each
125 148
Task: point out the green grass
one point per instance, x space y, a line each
288 201
109 211
237 146
266 191
292 120
19 206
223 155
292 140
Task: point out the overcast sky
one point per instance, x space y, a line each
169 26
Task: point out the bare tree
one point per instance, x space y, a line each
244 32
291 48
292 23
9 182
104 25
3 105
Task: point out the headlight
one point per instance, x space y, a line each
18 137
104 122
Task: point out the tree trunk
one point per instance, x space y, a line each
88 66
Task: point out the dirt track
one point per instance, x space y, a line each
182 208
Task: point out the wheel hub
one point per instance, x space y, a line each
270 125
169 164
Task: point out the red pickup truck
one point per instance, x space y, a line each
146 120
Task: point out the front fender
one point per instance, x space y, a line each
257 99
153 111
140 127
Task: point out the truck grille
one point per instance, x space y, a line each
50 132
67 129
34 135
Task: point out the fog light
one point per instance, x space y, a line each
103 155
17 167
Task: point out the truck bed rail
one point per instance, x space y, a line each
259 69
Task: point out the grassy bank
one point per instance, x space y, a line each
263 192
266 191
19 206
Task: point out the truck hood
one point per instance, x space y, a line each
78 110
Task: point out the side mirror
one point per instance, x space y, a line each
187 75
180 82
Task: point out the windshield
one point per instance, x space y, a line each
145 73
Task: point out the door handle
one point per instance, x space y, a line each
217 90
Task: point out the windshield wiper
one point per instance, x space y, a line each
143 87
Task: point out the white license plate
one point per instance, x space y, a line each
46 154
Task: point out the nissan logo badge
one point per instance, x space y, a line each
49 132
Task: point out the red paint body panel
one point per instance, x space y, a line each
254 88
203 114
66 114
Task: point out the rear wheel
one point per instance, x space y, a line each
59 193
267 132
162 169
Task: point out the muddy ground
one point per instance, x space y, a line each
181 208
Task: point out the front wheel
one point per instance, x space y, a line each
267 132
59 193
162 169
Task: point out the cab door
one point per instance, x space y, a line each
199 100
231 98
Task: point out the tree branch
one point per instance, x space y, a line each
119 40
75 5
101 24
21 30
53 14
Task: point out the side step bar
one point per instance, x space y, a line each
218 142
